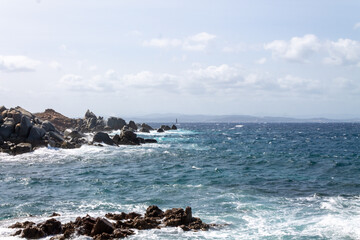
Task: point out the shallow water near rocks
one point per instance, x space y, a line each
266 181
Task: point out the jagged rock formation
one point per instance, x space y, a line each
60 121
123 225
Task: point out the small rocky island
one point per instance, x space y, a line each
22 131
112 226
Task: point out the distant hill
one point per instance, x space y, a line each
182 118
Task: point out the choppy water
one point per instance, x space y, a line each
267 181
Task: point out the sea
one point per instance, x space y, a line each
256 180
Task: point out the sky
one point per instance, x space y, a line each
138 57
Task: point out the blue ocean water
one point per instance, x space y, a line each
264 181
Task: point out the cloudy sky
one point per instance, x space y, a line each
129 58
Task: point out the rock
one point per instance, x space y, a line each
128 138
25 112
48 126
173 127
25 126
165 127
103 137
85 225
7 128
51 226
36 134
160 130
116 123
89 114
102 226
142 223
22 225
145 130
22 148
1 119
154 212
2 108
56 136
1 141
16 115
59 121
73 134
177 216
54 214
146 126
33 232
122 233
132 125
150 140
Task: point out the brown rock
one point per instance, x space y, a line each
102 226
154 212
33 232
51 226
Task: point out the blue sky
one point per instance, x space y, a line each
128 58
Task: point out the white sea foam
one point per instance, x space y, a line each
239 126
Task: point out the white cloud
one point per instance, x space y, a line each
17 64
343 52
162 42
298 49
76 83
294 83
55 65
261 61
197 42
357 25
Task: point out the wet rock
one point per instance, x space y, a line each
17 233
102 226
146 126
173 127
133 125
22 148
150 140
1 141
2 108
142 223
54 214
85 225
116 123
22 225
73 134
51 227
103 137
7 128
160 130
122 233
165 127
154 212
57 137
177 216
33 232
145 130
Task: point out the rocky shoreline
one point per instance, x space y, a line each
112 225
22 131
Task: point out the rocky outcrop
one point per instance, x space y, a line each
173 127
91 123
21 132
102 137
115 123
60 121
101 228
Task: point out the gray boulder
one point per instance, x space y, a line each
7 128
132 125
173 127
25 126
56 136
73 134
165 127
160 130
25 112
129 135
48 126
144 125
145 130
2 108
36 134
116 123
1 141
150 140
103 137
89 114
